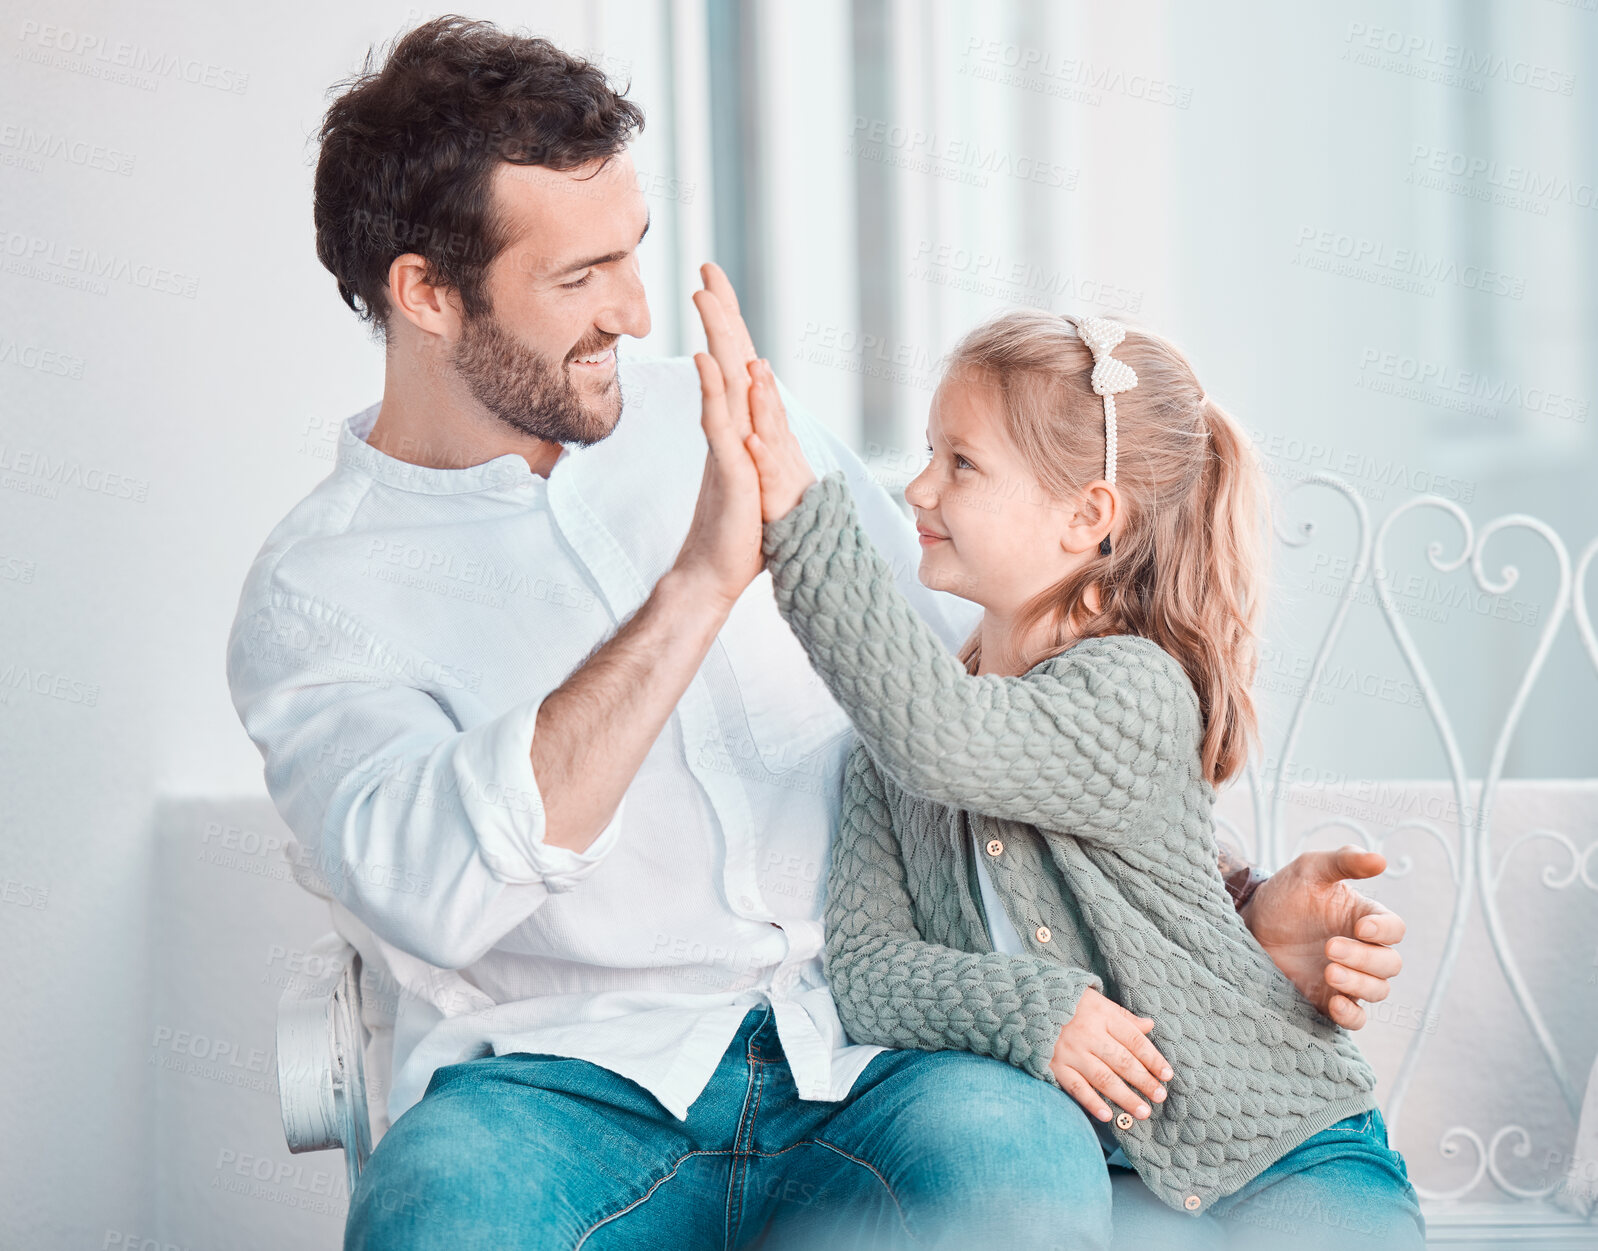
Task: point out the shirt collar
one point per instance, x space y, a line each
355 452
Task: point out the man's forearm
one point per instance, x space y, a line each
595 729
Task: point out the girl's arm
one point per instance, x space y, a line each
895 989
1078 745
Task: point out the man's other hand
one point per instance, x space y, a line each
1332 942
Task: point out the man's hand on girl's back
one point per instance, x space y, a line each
1332 942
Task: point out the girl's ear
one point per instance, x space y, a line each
1093 519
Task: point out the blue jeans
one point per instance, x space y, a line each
1341 1189
929 1149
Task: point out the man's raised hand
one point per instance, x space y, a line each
722 549
731 348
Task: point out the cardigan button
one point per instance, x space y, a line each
1192 1203
1044 933
994 847
1124 1121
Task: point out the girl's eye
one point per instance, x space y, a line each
581 282
960 462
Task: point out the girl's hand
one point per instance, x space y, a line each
1102 1050
784 471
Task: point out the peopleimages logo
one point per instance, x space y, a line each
1516 186
970 160
34 256
1407 269
120 60
1453 64
999 277
1069 77
1466 390
33 146
1290 456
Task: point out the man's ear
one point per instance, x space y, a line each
1093 517
431 308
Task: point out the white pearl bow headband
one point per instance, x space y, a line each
1110 376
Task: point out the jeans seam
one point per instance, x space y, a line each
804 1142
865 1164
653 1186
740 1168
734 1188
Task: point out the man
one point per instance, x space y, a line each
524 698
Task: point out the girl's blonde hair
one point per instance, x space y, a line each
1186 566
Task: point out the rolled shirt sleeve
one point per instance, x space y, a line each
431 834
502 804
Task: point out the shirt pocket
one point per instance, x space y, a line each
789 710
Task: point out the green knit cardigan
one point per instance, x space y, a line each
1081 781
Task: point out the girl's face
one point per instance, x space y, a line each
988 531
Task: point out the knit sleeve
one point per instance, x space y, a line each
1080 744
894 989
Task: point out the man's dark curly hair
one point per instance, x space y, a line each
407 152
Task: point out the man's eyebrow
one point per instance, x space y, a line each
601 260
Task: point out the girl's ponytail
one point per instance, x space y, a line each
1230 549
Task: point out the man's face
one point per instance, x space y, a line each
543 360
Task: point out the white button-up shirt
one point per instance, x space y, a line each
394 639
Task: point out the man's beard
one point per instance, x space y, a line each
529 393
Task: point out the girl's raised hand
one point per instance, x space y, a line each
1102 1051
784 471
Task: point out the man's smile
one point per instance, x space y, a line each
598 363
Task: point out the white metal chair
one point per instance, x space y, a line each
321 1062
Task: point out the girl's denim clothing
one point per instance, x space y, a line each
929 1149
1341 1188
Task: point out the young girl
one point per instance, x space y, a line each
1026 865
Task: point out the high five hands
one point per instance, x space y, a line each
755 470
